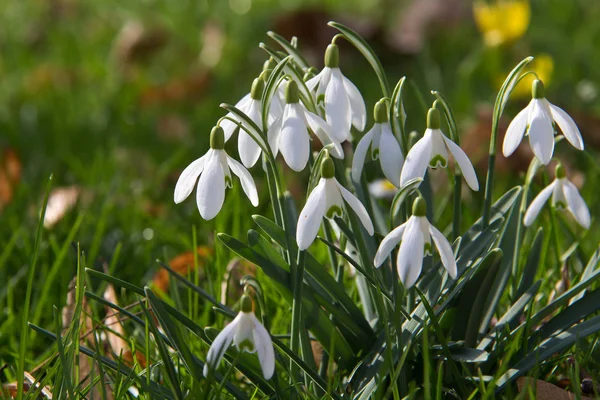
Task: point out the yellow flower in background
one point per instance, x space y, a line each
502 21
543 66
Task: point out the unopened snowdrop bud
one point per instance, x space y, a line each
415 237
383 144
310 73
332 56
269 64
565 196
537 120
432 151
327 201
258 86
292 93
212 171
247 334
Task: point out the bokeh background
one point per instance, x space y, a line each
115 98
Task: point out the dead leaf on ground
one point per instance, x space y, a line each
180 89
182 264
136 42
29 382
60 201
10 175
544 390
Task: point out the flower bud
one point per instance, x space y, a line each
419 208
246 303
433 119
380 112
310 73
217 138
332 56
258 86
292 94
537 89
269 64
327 168
560 171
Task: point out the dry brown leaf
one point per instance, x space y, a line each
189 87
10 175
135 43
29 382
182 264
230 286
60 201
544 390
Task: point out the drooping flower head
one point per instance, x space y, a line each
327 200
537 120
415 237
289 133
502 21
344 105
213 173
432 151
247 334
383 144
565 197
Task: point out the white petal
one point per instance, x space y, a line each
445 250
312 83
438 149
337 150
248 149
245 178
360 153
541 132
357 105
229 126
211 187
536 205
390 155
337 107
577 205
567 126
515 132
187 179
464 164
410 255
274 131
264 348
358 208
310 218
322 131
324 81
334 203
417 159
220 345
388 243
294 142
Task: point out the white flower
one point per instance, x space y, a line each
431 151
248 334
214 169
327 200
383 145
382 189
415 237
251 105
289 133
344 105
565 196
537 120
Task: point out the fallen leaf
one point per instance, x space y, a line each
10 175
182 264
60 201
29 382
544 390
136 42
189 87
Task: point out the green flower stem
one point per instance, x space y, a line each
297 281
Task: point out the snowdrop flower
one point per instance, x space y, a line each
415 237
565 196
214 169
383 145
248 334
537 120
382 189
431 150
327 200
344 105
289 133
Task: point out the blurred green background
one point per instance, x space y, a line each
115 98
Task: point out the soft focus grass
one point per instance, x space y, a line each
67 108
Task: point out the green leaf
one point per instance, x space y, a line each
396 114
533 262
291 50
399 197
115 281
366 51
271 88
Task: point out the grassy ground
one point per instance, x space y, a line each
115 117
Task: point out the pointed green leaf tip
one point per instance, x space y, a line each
537 89
332 56
433 119
292 95
258 86
560 171
419 208
327 168
246 303
217 138
380 112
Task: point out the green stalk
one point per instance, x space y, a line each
24 331
297 280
